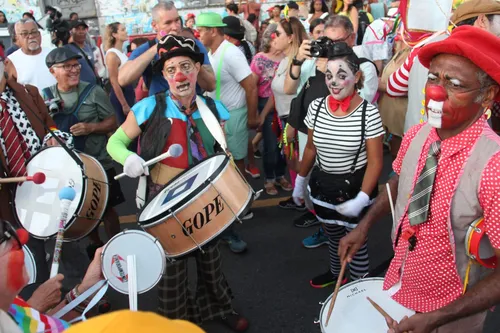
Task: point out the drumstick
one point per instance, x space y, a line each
37 178
174 151
336 292
380 310
66 195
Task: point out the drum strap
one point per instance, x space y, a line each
212 123
100 287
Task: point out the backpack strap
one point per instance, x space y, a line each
83 96
364 60
316 118
211 105
363 125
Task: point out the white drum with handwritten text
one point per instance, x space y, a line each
149 258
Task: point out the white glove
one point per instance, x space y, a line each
298 191
353 207
133 166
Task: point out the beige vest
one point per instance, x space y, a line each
465 206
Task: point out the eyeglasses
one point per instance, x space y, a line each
8 232
25 34
69 68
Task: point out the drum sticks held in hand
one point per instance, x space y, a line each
66 195
174 151
37 178
380 310
336 292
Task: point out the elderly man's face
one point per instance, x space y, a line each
181 74
29 37
454 97
168 22
67 74
13 274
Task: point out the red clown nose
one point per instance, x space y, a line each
179 77
436 93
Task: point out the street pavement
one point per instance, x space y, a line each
270 281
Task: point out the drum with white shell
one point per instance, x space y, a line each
353 313
149 256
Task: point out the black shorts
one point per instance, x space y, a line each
115 190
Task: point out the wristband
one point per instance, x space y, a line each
295 78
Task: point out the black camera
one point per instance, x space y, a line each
320 47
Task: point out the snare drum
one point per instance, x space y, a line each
353 313
149 258
197 205
478 246
38 208
29 262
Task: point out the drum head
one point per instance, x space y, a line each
149 258
29 262
37 206
353 313
183 187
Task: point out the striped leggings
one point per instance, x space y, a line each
360 262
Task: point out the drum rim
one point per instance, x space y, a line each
28 252
142 233
490 262
193 195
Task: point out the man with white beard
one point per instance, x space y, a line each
27 65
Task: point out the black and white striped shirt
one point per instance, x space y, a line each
337 139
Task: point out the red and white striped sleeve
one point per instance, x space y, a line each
397 85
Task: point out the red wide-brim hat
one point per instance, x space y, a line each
478 45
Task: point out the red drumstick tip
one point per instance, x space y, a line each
38 178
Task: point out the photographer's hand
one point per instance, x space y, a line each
304 51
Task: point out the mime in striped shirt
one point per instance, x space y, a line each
344 152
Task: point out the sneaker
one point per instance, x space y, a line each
257 153
236 322
236 244
248 216
289 204
306 220
319 238
325 280
253 171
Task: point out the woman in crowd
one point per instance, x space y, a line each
3 18
344 151
349 8
288 37
317 9
264 66
122 98
317 28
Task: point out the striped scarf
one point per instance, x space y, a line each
30 320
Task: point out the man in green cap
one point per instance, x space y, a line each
237 90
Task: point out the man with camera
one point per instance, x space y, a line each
166 21
27 65
86 112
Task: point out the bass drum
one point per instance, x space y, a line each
37 207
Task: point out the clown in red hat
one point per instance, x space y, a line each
446 193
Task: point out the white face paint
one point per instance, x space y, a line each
435 113
339 79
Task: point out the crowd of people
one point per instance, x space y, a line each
316 98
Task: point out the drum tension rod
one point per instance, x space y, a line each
186 232
222 197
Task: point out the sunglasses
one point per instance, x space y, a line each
8 233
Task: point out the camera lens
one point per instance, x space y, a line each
53 107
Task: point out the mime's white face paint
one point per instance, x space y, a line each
339 79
